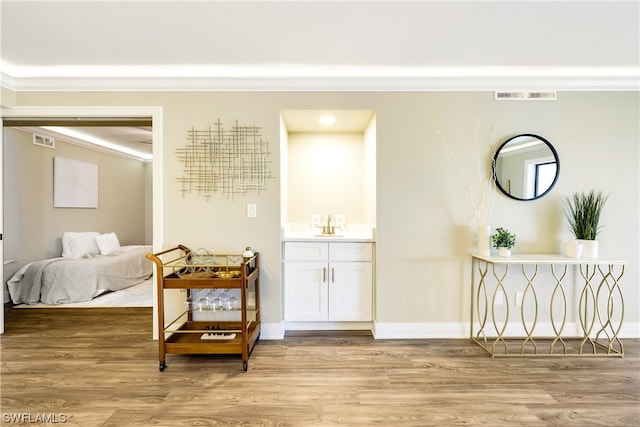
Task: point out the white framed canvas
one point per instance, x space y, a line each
75 184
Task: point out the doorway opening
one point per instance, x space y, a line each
137 119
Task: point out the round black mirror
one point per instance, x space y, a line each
526 167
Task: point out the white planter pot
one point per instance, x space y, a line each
589 248
504 252
573 249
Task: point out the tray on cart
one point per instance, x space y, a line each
187 340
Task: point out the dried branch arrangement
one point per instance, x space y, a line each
478 187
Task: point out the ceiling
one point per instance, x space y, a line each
311 120
316 45
319 45
128 137
132 139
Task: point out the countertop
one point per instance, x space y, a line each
353 233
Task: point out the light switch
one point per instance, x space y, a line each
252 210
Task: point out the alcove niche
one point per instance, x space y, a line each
328 165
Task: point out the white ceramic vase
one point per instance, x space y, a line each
573 249
589 248
504 252
484 245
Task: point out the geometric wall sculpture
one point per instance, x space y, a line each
231 162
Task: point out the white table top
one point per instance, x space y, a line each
545 259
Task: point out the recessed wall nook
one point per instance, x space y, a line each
328 218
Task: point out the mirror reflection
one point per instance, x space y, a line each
526 167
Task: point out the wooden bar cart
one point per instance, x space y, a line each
213 329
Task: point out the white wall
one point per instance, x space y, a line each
424 222
326 175
370 173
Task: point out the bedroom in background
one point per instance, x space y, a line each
36 226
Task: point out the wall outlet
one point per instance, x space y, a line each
252 210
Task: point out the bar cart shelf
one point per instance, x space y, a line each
211 330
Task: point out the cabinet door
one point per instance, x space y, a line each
350 251
306 296
350 291
306 251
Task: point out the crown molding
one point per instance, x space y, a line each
435 79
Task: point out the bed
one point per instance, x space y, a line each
91 264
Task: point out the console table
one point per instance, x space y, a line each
575 309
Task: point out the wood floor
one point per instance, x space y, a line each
99 367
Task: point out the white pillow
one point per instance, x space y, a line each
108 243
79 245
72 239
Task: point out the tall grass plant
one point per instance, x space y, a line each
583 213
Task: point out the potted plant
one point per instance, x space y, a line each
503 240
583 214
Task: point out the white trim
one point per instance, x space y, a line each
4 295
450 330
82 111
328 326
327 79
420 330
462 330
327 84
157 129
272 331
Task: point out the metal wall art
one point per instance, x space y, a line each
228 161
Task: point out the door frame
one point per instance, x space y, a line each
155 112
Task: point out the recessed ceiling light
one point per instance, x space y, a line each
327 120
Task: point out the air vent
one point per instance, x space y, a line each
44 141
546 96
525 96
499 96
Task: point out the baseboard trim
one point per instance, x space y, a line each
381 330
462 330
272 331
420 330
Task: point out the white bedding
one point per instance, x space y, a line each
64 280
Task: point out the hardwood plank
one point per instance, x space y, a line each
99 367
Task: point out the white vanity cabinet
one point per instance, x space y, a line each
328 281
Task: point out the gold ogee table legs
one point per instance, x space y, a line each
608 289
600 306
558 288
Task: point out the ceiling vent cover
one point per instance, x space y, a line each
500 96
44 141
525 96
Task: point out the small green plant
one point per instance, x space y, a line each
583 213
503 238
